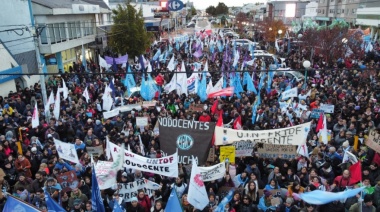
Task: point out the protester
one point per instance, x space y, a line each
31 161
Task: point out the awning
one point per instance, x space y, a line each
318 18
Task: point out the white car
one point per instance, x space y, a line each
290 74
245 42
232 34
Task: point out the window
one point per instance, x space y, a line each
57 33
353 11
78 32
71 30
43 35
51 34
62 29
323 11
331 0
342 11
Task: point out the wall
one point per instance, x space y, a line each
15 14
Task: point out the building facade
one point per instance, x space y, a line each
329 10
286 10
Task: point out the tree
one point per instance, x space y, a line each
332 41
128 34
221 9
270 28
241 19
192 11
211 10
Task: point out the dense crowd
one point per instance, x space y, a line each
342 82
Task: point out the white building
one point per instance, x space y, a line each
311 10
65 27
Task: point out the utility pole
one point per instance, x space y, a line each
36 32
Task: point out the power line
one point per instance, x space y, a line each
199 72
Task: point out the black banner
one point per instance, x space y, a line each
191 138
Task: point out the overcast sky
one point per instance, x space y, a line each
203 4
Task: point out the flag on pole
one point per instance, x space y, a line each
65 90
356 172
173 202
86 95
276 45
197 195
142 147
171 64
214 107
229 91
219 123
108 150
237 123
84 62
57 105
116 206
51 204
49 102
96 198
322 128
302 150
35 118
15 204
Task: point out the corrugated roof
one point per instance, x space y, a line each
59 3
101 3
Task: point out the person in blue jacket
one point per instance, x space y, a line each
265 203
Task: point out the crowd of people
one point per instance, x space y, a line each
33 164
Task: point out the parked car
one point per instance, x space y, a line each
190 25
290 74
245 42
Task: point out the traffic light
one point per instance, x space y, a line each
164 5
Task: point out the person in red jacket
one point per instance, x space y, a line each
314 105
204 117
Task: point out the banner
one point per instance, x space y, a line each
94 151
196 107
105 174
129 190
273 151
66 151
289 93
294 135
373 141
243 148
213 172
227 154
191 138
141 121
111 113
327 108
167 166
13 204
68 181
316 113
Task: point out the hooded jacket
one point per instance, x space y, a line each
74 196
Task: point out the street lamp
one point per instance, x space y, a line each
306 64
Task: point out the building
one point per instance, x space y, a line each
66 27
328 10
368 14
16 33
288 11
311 10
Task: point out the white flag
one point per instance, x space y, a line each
197 195
209 87
35 119
65 90
182 81
108 150
142 147
236 58
323 131
171 65
172 85
49 102
86 95
149 70
57 105
107 99
302 150
218 86
277 47
103 63
349 158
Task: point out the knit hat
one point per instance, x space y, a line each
267 193
98 122
345 144
134 199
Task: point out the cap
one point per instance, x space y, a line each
49 136
77 202
345 144
34 149
89 120
124 174
134 199
348 133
